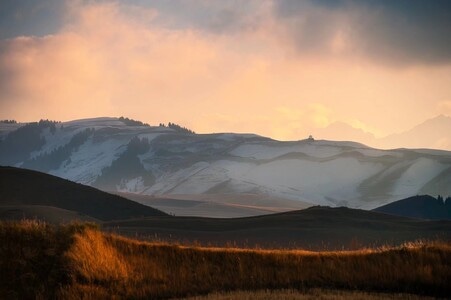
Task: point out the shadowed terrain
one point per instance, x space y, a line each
27 187
423 207
48 214
217 205
316 228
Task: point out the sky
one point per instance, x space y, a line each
278 68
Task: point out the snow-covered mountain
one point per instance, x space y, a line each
128 156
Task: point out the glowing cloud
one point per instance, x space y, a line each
274 68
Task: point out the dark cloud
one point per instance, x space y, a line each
401 31
219 17
308 26
30 17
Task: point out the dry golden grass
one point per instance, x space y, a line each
78 261
312 294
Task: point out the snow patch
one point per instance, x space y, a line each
265 151
87 163
135 185
417 175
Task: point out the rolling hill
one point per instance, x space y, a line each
26 192
424 207
315 228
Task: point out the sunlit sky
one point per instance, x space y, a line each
282 69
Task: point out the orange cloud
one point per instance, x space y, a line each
113 59
445 107
104 63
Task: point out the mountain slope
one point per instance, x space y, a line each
131 157
424 207
25 187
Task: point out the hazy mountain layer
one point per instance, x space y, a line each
119 155
432 133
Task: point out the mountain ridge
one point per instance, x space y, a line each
156 160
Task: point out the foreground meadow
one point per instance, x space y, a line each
310 294
38 260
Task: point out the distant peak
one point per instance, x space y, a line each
440 120
440 117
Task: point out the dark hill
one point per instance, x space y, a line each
423 207
315 228
27 187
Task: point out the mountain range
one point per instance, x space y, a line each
433 133
127 156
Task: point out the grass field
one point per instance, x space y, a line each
38 260
310 294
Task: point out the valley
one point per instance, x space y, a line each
58 201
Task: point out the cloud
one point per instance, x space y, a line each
445 107
30 17
105 62
218 17
51 72
147 63
402 32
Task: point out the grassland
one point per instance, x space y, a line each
310 294
39 260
